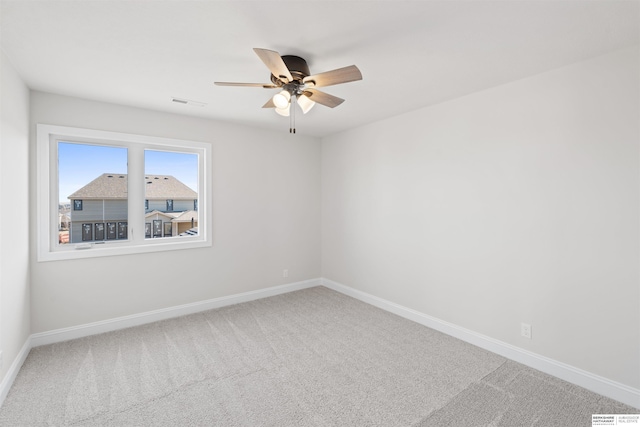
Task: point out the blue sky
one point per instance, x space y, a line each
79 164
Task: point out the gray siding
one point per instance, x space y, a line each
92 210
182 205
96 211
178 205
75 232
115 210
157 205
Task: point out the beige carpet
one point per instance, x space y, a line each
308 358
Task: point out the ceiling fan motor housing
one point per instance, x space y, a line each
297 67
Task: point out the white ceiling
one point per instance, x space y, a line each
411 53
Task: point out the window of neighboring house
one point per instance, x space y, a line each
92 171
87 232
157 228
99 231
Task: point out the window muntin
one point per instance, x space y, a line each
119 235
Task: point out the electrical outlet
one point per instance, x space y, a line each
285 273
525 330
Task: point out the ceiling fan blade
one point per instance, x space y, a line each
264 85
334 77
269 104
323 98
275 64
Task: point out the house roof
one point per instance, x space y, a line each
167 187
167 215
114 186
186 216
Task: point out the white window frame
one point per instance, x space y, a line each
49 249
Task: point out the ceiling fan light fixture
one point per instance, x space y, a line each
305 103
290 74
281 99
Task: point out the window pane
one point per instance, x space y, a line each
171 187
92 192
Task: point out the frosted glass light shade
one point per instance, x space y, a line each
281 99
305 103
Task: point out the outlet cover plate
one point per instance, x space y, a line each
525 330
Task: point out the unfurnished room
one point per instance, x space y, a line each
320 213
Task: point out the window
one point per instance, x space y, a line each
99 231
128 193
94 177
157 228
87 232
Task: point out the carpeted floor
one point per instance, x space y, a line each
308 358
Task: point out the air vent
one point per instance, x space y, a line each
188 102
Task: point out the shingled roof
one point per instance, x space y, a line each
114 186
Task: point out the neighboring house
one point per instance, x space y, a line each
159 224
99 209
64 219
185 221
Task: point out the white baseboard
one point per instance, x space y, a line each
65 334
592 382
595 383
12 373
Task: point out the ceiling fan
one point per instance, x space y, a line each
291 74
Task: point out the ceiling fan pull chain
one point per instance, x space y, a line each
292 115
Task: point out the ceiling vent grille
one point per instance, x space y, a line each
188 102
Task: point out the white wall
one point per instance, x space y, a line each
515 204
14 224
266 218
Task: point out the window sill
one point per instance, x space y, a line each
93 250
